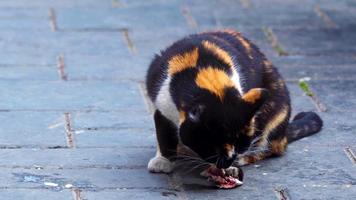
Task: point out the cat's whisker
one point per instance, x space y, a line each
188 161
196 167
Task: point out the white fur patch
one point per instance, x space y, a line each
231 152
232 171
241 162
160 164
164 103
237 80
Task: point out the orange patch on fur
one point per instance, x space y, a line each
241 39
252 95
181 62
181 117
214 80
279 146
251 128
252 159
222 54
246 45
273 123
228 147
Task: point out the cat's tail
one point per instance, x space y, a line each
304 124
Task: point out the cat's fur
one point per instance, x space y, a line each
216 93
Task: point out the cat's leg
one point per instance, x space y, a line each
275 147
167 141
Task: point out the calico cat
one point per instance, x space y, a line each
217 94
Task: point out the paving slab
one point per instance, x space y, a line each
10 194
60 95
90 179
132 194
141 17
31 129
45 4
78 158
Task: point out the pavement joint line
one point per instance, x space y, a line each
281 193
273 40
116 3
61 68
72 110
90 188
53 19
103 79
32 147
350 154
147 101
4 65
69 131
318 66
325 79
326 19
77 194
321 54
93 29
245 3
95 129
129 43
42 147
77 167
189 18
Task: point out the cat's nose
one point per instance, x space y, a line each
224 161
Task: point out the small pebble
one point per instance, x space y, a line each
50 184
79 131
305 79
38 167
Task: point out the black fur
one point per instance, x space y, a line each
304 124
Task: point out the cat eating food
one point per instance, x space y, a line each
217 94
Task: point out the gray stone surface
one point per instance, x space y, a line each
107 46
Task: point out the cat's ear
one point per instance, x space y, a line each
195 112
255 97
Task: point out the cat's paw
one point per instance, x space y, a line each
234 172
160 164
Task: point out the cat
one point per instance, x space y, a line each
217 94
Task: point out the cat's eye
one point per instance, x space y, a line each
195 113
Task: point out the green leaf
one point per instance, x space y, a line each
305 87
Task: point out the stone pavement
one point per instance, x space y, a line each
75 124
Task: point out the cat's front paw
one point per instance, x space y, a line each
160 164
234 172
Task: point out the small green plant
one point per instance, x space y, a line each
303 84
305 87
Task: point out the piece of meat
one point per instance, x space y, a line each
221 179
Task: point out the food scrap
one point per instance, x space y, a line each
222 179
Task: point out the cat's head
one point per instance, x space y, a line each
215 128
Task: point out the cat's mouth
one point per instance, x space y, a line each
221 179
